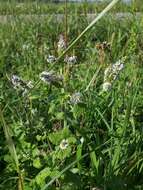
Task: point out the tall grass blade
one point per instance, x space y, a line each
12 150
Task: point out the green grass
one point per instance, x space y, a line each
111 155
28 7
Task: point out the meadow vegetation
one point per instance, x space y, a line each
76 122
38 7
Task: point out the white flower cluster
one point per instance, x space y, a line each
50 77
76 98
51 59
20 84
111 73
71 60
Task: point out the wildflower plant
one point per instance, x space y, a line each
111 74
51 78
67 134
51 59
71 60
64 144
76 98
21 85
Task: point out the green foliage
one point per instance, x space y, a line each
54 143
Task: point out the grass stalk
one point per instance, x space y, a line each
93 79
66 23
12 150
88 27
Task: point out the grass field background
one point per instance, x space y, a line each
83 127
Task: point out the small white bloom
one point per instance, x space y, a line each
117 67
64 144
106 86
71 60
51 59
81 140
16 81
111 74
76 98
46 76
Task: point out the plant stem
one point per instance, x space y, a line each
12 150
66 23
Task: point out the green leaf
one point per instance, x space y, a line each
35 152
79 155
40 178
94 160
37 163
58 136
60 115
62 154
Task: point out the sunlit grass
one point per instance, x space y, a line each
72 133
